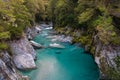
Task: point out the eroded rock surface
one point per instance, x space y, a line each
7 68
23 53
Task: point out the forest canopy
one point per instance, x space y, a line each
15 15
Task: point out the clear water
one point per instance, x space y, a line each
70 63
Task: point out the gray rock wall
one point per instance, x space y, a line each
7 68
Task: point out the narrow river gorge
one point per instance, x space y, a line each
59 39
67 63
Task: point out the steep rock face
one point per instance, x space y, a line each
23 54
22 46
7 68
105 56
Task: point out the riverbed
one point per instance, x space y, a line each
68 63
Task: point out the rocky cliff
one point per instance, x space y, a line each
107 58
8 70
21 56
106 55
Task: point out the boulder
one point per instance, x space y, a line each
49 28
22 46
36 45
23 54
24 61
55 45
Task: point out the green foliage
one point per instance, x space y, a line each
113 74
85 40
117 61
94 18
4 35
15 15
62 12
3 46
16 32
85 16
35 7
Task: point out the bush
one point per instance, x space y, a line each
16 32
3 46
4 35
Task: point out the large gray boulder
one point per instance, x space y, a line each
24 61
22 46
23 53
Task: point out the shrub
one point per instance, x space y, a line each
3 46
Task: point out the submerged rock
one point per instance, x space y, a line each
58 52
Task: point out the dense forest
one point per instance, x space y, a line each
93 16
15 16
90 22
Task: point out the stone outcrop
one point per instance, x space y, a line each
32 32
105 56
22 57
7 68
23 54
24 61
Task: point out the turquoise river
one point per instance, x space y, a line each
70 63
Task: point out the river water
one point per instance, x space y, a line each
69 63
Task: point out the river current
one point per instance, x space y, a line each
69 63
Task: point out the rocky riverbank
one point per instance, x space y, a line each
106 56
20 56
